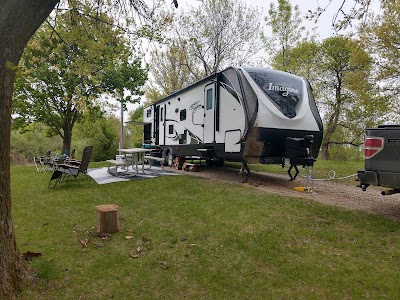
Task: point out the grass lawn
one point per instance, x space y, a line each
199 239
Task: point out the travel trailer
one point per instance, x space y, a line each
241 114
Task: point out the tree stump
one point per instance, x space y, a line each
107 218
190 167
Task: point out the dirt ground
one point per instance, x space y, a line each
327 192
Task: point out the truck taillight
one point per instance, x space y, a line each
372 146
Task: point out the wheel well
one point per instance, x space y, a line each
166 151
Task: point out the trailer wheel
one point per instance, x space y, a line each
209 163
164 155
170 159
219 162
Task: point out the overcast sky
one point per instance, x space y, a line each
324 24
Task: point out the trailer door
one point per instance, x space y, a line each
160 133
209 109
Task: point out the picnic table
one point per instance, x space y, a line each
133 158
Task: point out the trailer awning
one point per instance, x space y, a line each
137 123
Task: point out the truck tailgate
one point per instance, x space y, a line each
382 157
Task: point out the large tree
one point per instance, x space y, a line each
225 34
348 100
340 73
67 66
346 12
285 22
18 22
170 69
382 38
303 60
218 33
124 80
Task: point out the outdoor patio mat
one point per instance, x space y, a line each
101 176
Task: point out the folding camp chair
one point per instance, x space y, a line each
57 176
38 164
47 162
68 170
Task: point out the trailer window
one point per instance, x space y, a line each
284 89
171 129
162 114
183 114
149 113
209 100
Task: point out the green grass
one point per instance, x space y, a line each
201 239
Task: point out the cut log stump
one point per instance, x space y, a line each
107 218
190 167
178 162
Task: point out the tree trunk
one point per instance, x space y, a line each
325 151
67 139
13 271
333 120
18 22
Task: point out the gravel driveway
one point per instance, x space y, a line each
328 192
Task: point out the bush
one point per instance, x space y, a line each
102 134
33 142
346 153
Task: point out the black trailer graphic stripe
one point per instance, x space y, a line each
191 134
228 86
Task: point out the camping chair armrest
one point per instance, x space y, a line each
66 166
73 162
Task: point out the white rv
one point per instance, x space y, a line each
242 114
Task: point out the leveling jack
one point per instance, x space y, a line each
309 182
244 171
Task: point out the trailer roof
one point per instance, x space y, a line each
177 92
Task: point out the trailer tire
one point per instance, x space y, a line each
209 163
169 159
164 154
219 162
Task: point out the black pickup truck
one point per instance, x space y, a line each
382 159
